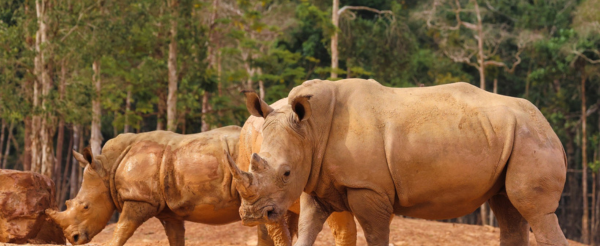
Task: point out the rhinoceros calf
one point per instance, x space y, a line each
23 198
434 152
159 174
341 223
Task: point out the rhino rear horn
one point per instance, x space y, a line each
258 163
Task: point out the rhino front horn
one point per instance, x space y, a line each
54 216
240 176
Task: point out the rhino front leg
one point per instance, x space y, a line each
373 211
263 236
312 217
134 214
175 231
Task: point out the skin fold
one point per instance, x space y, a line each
433 152
161 174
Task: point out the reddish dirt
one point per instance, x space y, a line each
403 232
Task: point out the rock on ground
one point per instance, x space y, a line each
23 198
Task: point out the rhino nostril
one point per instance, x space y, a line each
270 212
76 238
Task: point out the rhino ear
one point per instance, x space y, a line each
256 106
89 159
301 106
83 162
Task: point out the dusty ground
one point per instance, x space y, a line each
403 232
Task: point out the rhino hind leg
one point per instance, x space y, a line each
514 229
175 231
343 228
535 178
134 214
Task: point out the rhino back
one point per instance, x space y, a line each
180 172
422 147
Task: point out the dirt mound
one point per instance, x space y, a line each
403 232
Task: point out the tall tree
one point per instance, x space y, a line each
96 133
42 129
488 37
172 97
336 13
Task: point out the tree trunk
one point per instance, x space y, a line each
44 157
2 140
480 55
27 89
261 86
492 218
61 190
96 135
7 151
496 86
219 70
27 148
596 230
162 107
593 208
205 107
172 66
73 180
584 220
597 208
59 150
61 126
261 89
334 39
78 167
127 127
41 76
212 60
484 213
250 71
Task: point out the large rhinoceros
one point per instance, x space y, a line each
341 223
159 174
434 152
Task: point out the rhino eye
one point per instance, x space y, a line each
86 207
287 173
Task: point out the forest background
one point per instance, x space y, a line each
78 73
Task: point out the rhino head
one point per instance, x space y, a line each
86 214
278 173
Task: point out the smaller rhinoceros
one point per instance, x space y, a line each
23 198
159 174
